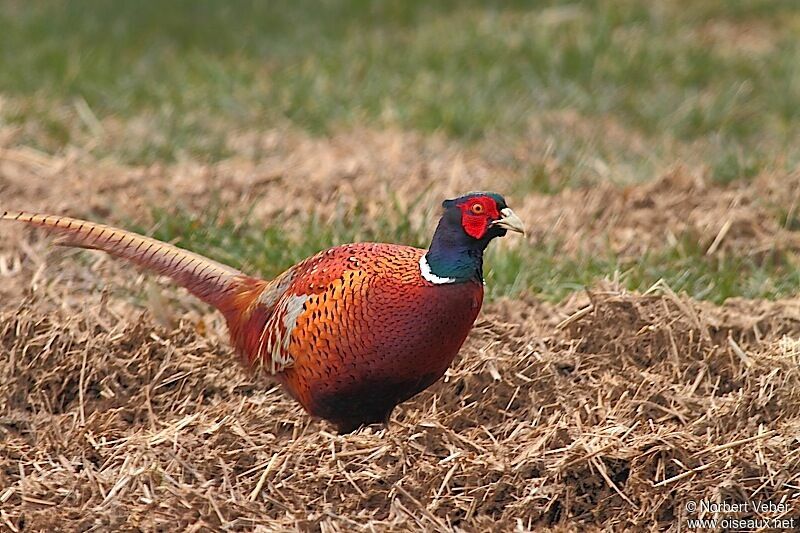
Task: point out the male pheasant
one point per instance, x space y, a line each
351 331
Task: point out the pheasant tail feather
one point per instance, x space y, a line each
212 282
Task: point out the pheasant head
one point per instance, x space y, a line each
467 226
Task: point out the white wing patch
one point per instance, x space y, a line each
276 289
293 308
277 334
425 268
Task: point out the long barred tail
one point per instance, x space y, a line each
212 282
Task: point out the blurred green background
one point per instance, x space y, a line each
664 69
713 83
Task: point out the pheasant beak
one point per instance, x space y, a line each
510 221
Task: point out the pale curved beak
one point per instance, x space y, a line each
510 221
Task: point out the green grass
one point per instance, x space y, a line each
510 271
560 92
468 69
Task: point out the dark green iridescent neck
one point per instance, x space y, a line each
464 265
455 255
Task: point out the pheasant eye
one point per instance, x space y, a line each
477 209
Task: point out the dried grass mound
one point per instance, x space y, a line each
606 413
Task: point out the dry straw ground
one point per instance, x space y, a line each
120 407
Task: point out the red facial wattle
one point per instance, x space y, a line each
477 214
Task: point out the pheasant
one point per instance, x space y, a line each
350 332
